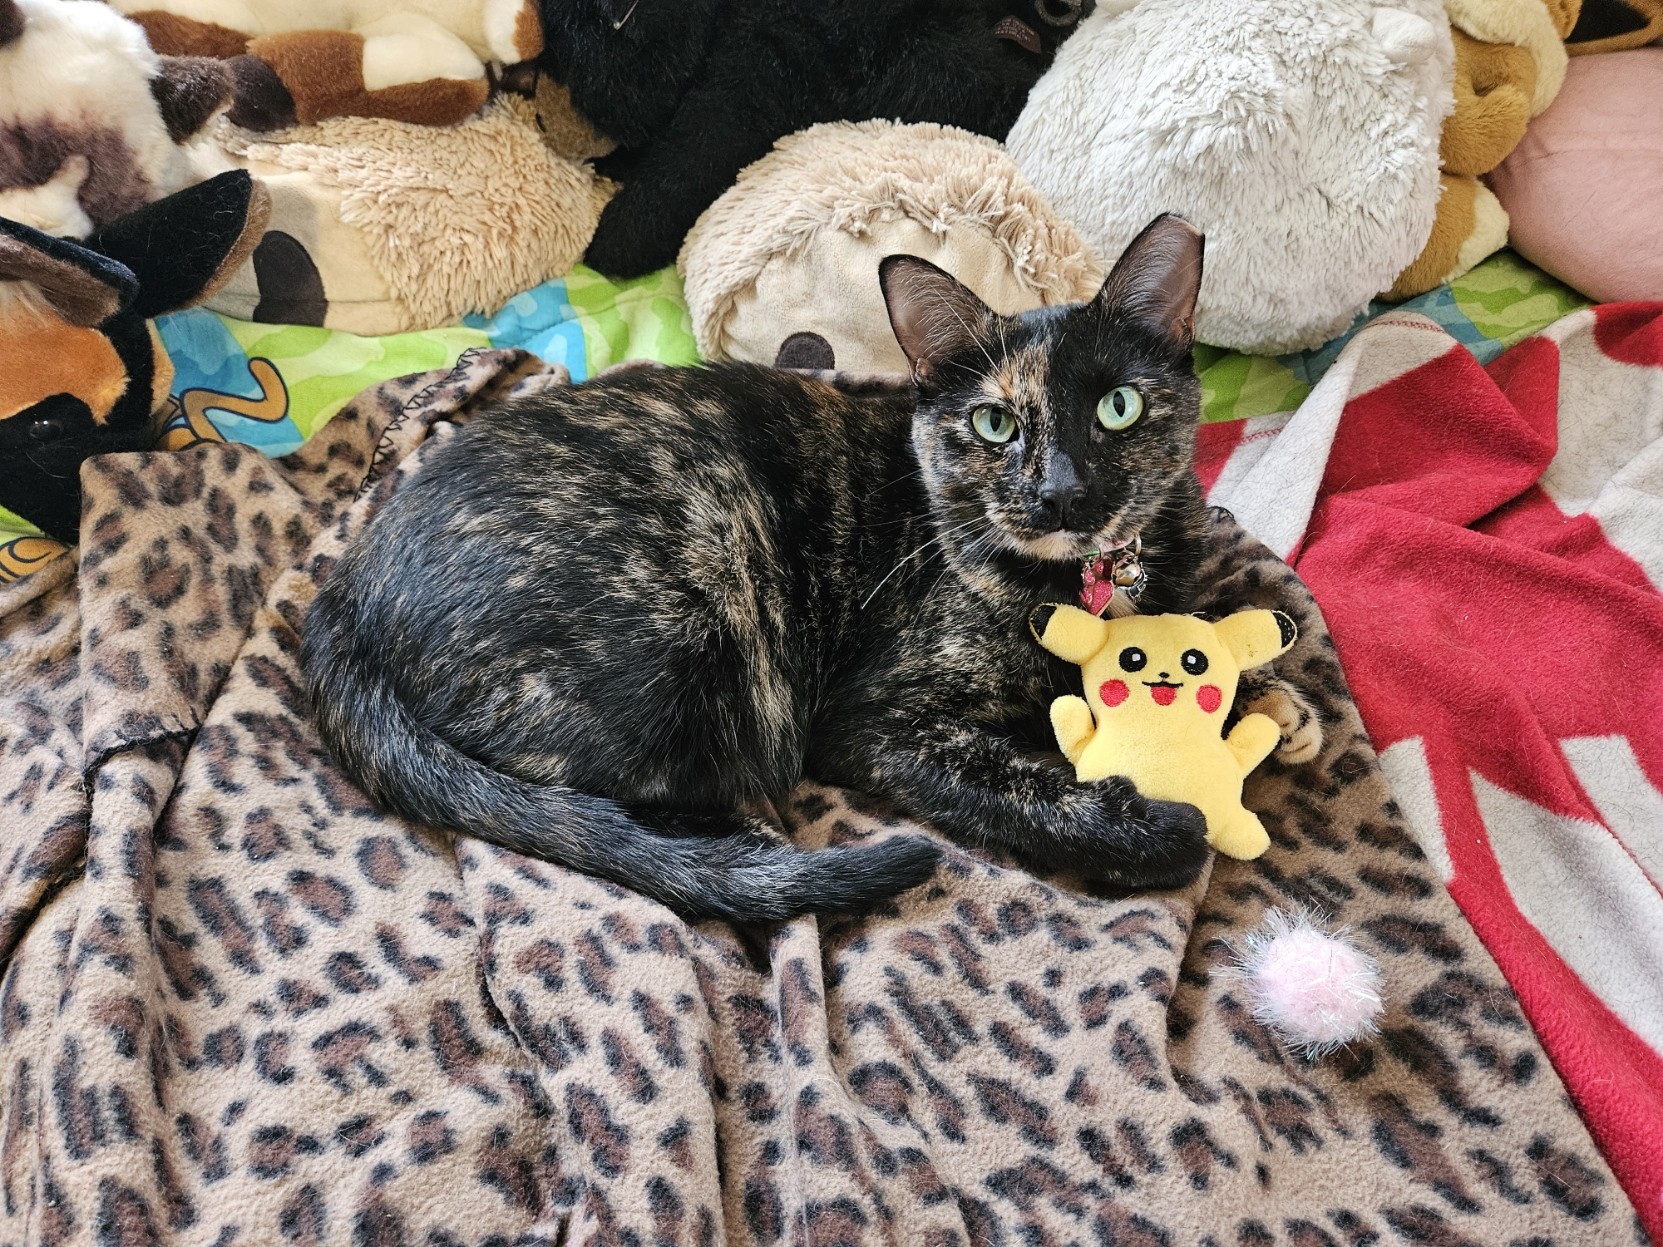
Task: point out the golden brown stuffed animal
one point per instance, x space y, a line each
1509 66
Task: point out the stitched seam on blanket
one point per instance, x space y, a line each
382 447
1405 323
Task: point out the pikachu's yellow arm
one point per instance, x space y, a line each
1071 720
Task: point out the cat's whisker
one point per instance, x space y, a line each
972 552
939 537
891 573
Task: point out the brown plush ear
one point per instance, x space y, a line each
84 288
189 91
185 247
1157 280
933 314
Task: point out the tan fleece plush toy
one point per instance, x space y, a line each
1158 690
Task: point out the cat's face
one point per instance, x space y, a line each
1062 431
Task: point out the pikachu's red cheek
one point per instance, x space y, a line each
1209 697
1114 692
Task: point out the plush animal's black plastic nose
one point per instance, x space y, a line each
1060 498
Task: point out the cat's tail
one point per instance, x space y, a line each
744 877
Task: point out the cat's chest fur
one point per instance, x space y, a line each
939 638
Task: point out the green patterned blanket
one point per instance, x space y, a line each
1502 301
273 386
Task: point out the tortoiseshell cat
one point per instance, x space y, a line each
601 621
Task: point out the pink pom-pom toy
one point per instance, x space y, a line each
1318 991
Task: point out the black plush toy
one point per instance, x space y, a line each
81 370
692 91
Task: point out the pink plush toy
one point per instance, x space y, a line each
1318 991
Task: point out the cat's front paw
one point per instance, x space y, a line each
1295 718
1148 845
1180 834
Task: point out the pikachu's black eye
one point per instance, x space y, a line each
1133 659
1195 662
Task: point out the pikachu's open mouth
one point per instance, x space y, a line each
1165 692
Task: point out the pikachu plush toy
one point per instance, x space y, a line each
1158 690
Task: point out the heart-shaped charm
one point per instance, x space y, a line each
1096 586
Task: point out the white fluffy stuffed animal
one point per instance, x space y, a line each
91 119
1302 139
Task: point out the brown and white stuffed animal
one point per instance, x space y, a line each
303 61
91 119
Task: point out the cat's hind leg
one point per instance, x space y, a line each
703 865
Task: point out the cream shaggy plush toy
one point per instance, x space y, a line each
381 226
1303 140
783 268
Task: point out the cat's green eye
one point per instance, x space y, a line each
993 424
1120 407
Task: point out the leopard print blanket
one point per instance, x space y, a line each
241 1006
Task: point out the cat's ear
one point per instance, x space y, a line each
934 315
1157 279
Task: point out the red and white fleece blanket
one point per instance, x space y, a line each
1487 546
